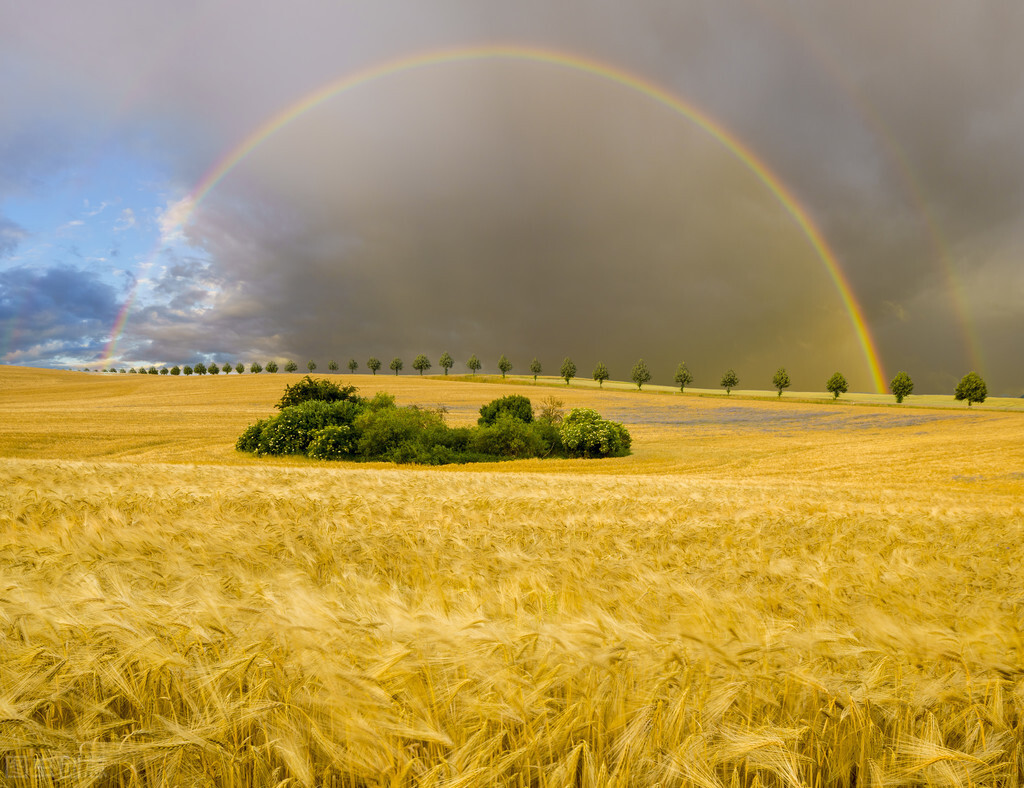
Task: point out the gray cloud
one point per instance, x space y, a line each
525 209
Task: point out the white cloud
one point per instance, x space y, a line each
172 220
125 221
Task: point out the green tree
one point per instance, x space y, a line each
837 385
255 368
200 368
535 368
683 376
600 373
781 380
396 364
474 364
971 388
641 374
186 370
271 366
175 370
568 370
373 363
421 363
446 362
163 370
291 366
729 381
239 367
353 365
213 369
504 365
332 366
901 386
226 369
311 365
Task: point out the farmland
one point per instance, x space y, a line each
764 593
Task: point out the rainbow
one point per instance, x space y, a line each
574 62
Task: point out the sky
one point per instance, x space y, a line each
810 184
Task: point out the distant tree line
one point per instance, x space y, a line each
970 388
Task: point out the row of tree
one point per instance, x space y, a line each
971 387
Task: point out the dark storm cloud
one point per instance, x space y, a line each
57 312
523 209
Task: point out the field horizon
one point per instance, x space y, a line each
764 593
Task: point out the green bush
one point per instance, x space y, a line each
307 390
515 405
585 434
336 442
508 438
293 429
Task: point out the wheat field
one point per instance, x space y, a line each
763 594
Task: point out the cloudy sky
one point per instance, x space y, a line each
518 205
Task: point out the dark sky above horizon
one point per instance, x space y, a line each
511 206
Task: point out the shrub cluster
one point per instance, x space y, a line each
344 426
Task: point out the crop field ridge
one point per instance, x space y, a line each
742 602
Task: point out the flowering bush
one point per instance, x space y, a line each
585 434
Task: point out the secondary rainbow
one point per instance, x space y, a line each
577 63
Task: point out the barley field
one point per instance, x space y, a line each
763 594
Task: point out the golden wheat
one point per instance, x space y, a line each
779 596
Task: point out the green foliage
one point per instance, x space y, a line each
291 366
292 430
535 368
336 442
585 434
504 365
213 369
239 367
200 368
373 364
514 405
309 389
781 380
901 386
255 368
421 363
601 373
836 384
396 365
641 374
509 438
729 381
132 371
227 367
186 370
473 364
446 362
971 388
332 366
271 366
153 371
311 365
683 376
353 365
163 370
568 370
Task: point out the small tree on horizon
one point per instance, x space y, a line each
213 369
601 373
374 364
729 381
641 374
226 369
781 380
473 364
163 371
332 366
683 377
311 365
837 385
396 364
446 362
568 370
175 370
186 370
255 368
353 365
291 366
504 365
901 386
421 363
200 368
535 369
971 388
239 368
271 366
